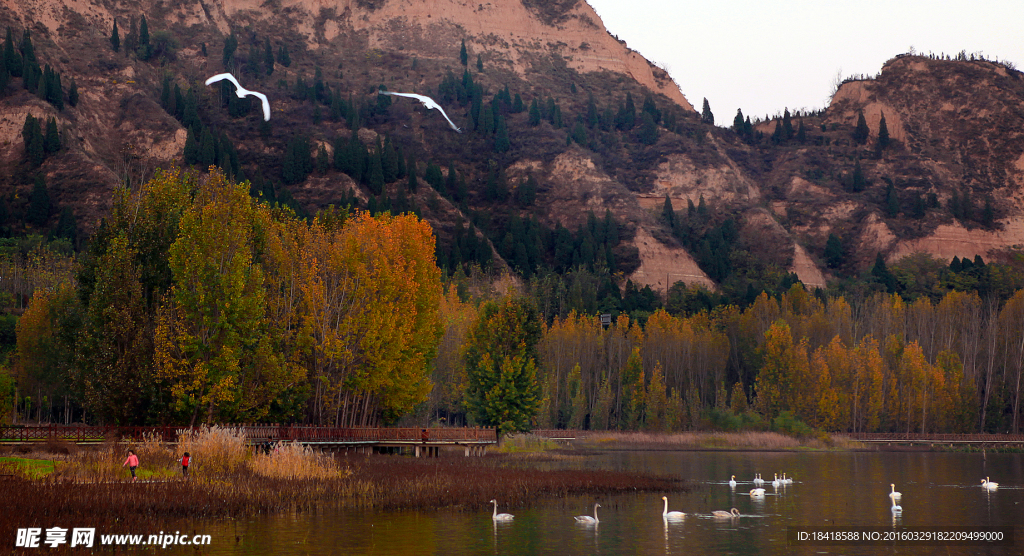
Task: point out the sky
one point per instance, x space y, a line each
762 56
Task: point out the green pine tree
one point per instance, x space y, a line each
835 256
38 213
268 57
115 40
705 115
501 141
861 132
145 50
51 143
668 214
858 182
883 135
648 129
230 44
464 54
282 56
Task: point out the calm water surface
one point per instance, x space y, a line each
830 489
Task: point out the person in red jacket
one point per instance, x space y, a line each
185 460
132 462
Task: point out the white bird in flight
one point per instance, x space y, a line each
243 92
427 102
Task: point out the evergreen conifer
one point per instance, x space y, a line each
115 39
705 115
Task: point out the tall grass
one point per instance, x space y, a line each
518 443
216 451
749 440
290 460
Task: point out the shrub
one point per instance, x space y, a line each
787 423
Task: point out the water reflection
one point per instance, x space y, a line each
836 489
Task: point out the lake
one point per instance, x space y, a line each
830 489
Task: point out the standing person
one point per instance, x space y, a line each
185 460
132 462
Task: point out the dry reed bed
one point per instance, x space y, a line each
380 482
749 440
469 483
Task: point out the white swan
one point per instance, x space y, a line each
894 495
243 92
775 483
591 520
500 517
426 101
896 508
758 481
732 481
665 513
989 485
726 514
757 492
786 481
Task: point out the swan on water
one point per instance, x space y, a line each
896 508
786 481
500 517
758 481
757 492
732 481
775 483
985 483
592 520
243 92
894 495
665 513
425 101
726 514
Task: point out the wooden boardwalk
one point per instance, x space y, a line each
423 441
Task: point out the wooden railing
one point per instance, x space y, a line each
254 433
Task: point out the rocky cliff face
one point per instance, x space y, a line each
955 127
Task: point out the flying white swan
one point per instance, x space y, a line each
726 514
243 92
894 495
987 484
426 101
758 481
590 520
757 492
500 517
732 481
665 513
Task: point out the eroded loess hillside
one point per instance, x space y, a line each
567 132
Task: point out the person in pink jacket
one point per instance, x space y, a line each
132 462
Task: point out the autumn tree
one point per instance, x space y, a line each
210 341
370 295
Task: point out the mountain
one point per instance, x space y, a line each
572 144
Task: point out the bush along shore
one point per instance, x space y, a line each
228 480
